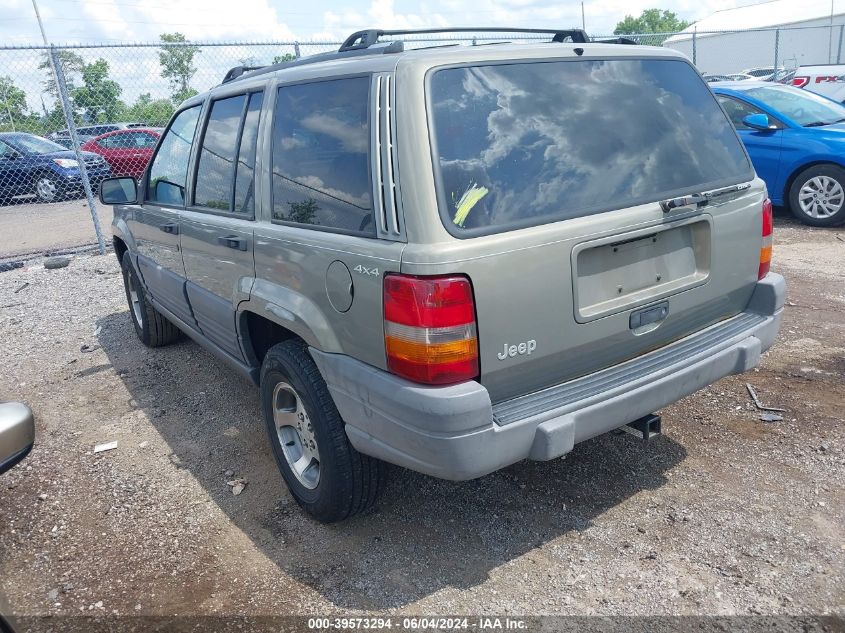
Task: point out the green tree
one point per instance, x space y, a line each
651 21
177 65
155 112
303 212
13 107
71 64
287 57
99 96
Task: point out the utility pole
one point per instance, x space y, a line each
583 21
64 97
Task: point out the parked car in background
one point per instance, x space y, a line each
17 436
827 80
714 78
87 132
796 140
525 289
763 73
31 164
126 151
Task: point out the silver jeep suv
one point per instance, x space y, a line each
452 258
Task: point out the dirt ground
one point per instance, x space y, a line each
30 227
723 514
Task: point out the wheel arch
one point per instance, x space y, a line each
260 327
799 168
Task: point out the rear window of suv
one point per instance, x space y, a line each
523 144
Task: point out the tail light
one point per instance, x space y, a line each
429 328
766 248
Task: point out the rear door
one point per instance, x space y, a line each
217 228
155 223
550 178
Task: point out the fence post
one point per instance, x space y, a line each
777 43
694 32
61 84
296 49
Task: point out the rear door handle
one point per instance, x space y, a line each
232 241
170 227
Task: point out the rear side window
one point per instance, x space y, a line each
225 178
169 168
526 144
321 173
215 171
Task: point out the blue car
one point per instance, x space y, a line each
30 165
796 140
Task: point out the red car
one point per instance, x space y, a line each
126 151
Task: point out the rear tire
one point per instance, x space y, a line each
817 196
325 474
151 326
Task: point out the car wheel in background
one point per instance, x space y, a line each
325 474
47 188
151 326
817 195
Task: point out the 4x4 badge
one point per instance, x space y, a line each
366 271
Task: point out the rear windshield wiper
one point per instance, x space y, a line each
701 199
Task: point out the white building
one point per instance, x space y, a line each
790 33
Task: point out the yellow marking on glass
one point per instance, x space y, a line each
471 196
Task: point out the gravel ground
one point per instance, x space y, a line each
31 227
723 514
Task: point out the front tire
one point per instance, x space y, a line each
325 474
151 326
817 196
48 188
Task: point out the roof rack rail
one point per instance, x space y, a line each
239 72
366 38
618 40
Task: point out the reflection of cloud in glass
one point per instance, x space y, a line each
555 138
316 183
352 137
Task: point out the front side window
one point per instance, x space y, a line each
321 173
737 110
169 168
524 144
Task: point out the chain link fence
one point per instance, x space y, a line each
71 116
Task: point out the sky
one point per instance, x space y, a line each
114 21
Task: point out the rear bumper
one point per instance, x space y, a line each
456 433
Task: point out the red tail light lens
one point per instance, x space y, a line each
429 329
766 247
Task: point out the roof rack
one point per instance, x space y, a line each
366 38
366 43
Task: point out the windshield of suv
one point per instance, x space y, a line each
522 144
31 144
803 107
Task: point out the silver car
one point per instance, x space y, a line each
455 258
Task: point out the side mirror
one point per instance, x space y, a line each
17 433
119 191
758 122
